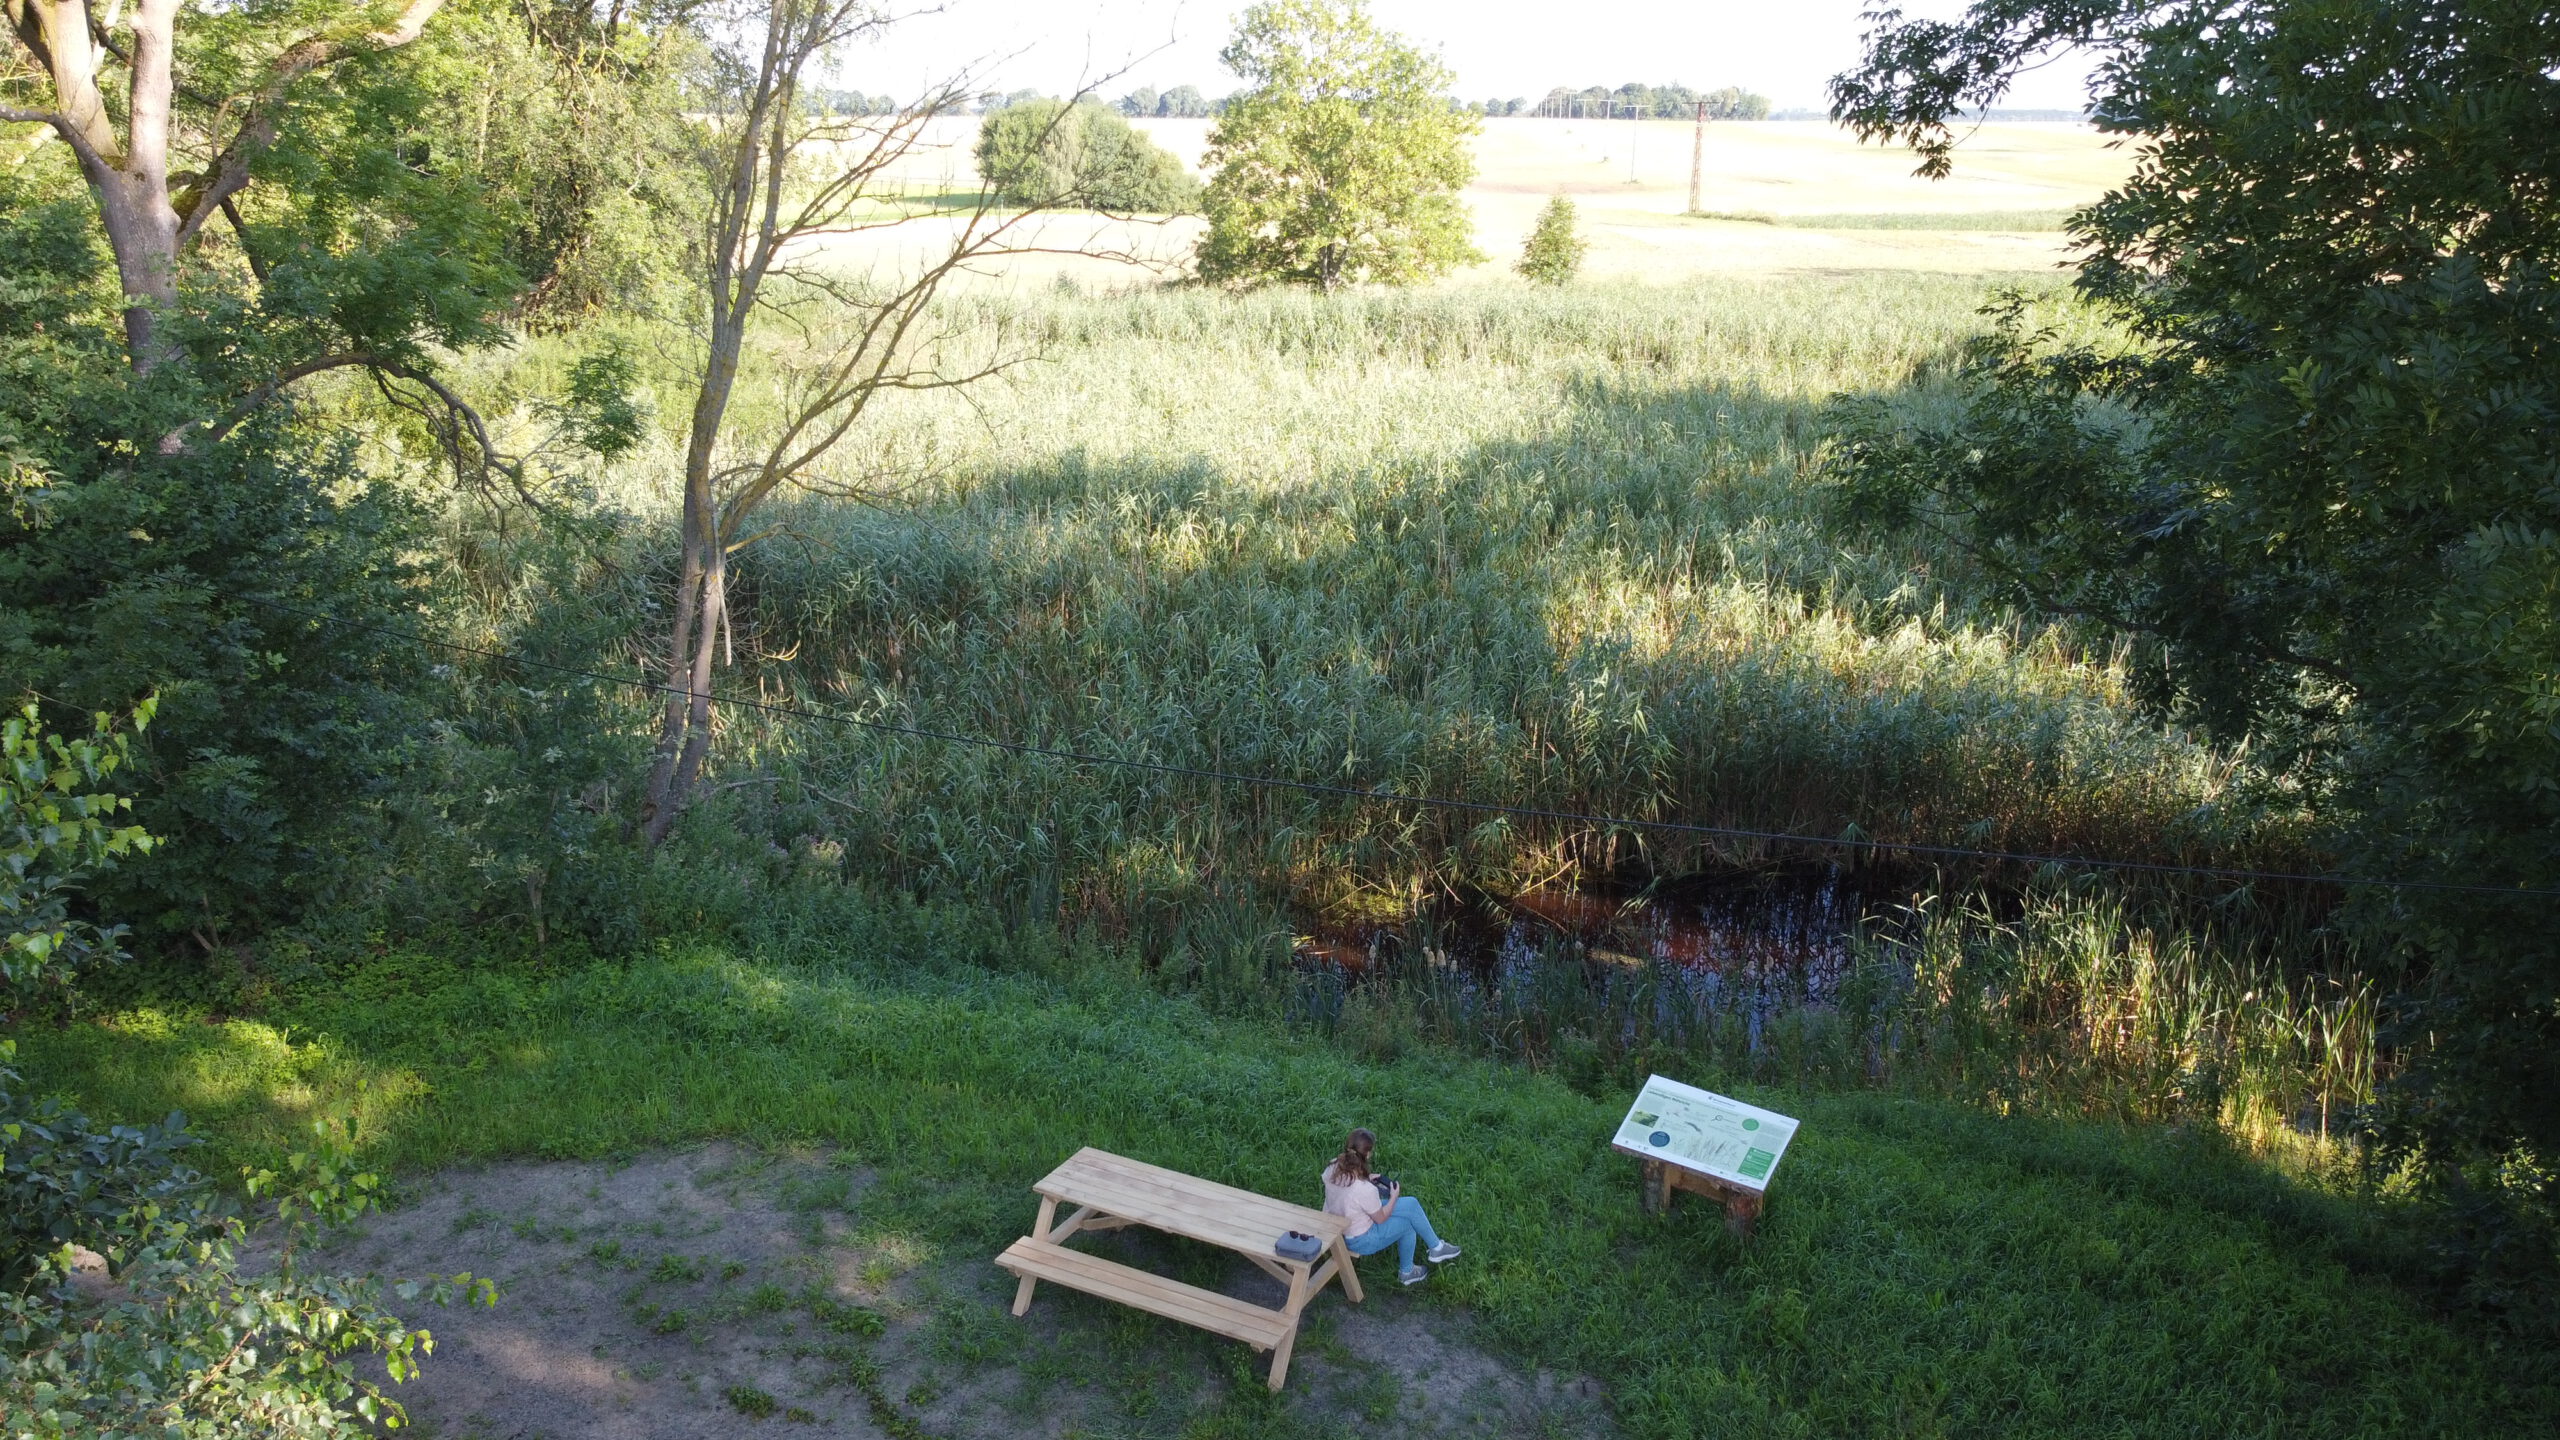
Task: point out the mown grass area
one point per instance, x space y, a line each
1925 1267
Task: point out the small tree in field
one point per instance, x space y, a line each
1554 253
1343 160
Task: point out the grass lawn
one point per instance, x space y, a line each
1924 1268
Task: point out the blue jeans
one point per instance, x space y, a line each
1400 1229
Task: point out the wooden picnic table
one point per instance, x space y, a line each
1109 1191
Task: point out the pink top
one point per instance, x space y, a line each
1353 1201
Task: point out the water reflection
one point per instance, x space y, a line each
1754 924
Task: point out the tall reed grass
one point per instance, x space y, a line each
1567 552
2065 1003
1562 549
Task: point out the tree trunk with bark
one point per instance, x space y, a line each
149 229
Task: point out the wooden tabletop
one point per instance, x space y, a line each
1180 1204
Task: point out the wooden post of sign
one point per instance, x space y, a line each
1663 1180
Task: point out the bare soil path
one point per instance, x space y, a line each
723 1292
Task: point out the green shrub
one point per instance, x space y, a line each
1042 153
126 573
182 1342
1554 253
56 828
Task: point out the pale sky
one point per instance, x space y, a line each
1784 49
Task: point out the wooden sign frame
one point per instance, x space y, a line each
1661 1181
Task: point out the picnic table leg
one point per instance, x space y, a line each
1297 1302
1343 1267
1039 1231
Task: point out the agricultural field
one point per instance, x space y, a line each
1778 197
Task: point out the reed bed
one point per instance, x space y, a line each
1565 549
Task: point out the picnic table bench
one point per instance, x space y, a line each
1109 1191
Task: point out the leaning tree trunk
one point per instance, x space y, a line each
701 608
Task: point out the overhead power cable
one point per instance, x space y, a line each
1398 797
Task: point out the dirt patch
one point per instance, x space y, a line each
722 1291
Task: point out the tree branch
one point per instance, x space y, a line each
56 33
92 164
229 172
240 228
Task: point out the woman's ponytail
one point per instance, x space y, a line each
1353 1162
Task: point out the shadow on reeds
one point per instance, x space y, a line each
1611 585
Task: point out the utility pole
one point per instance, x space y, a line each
1697 157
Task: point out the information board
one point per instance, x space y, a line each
1706 1132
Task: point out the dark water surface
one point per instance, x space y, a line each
1744 925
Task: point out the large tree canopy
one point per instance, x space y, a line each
1344 159
2321 471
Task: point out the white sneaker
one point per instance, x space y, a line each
1415 1276
1442 1253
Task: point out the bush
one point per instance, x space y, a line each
56 826
1554 253
274 725
1042 153
125 573
177 1340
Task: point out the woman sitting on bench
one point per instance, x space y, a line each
1377 1213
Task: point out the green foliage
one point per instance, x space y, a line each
1553 254
56 829
1043 152
1631 601
178 1337
569 121
354 238
2316 472
129 573
66 1181
146 577
599 408
1342 162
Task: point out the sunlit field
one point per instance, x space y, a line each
1861 206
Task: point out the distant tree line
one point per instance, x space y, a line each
853 102
1599 102
1187 102
1182 102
